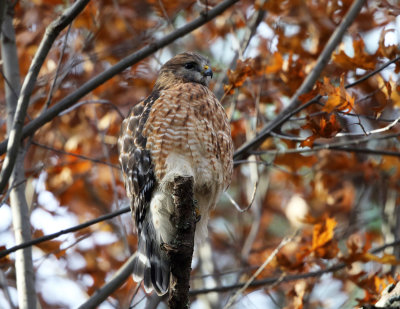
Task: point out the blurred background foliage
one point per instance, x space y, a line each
344 202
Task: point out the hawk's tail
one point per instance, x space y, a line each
151 263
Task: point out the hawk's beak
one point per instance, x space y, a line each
207 71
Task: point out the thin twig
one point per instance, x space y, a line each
250 31
114 283
307 84
365 132
365 77
75 228
259 270
60 151
342 113
53 85
238 162
380 130
333 146
9 85
99 101
318 97
16 132
116 223
128 61
6 289
287 278
234 203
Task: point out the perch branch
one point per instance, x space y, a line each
180 250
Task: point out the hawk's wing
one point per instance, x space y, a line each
140 181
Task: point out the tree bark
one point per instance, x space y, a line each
19 207
180 251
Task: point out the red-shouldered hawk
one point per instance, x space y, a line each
181 129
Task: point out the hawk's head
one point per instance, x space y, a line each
187 67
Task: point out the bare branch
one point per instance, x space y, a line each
15 134
122 116
115 282
234 203
373 72
3 8
307 84
380 130
318 97
250 31
62 232
24 273
342 146
128 61
287 278
74 155
54 83
259 270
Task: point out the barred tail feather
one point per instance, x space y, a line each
151 263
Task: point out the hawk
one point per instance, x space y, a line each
180 129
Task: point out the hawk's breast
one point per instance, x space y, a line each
188 124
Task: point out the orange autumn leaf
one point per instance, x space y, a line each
295 161
327 127
389 89
304 98
388 51
338 97
238 128
6 259
237 77
49 246
384 259
274 64
360 60
308 142
323 243
323 233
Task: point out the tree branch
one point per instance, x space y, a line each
115 282
60 151
180 250
288 278
307 84
342 146
250 31
15 134
233 299
373 72
25 277
62 232
128 61
360 80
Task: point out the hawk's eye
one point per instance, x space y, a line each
190 65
